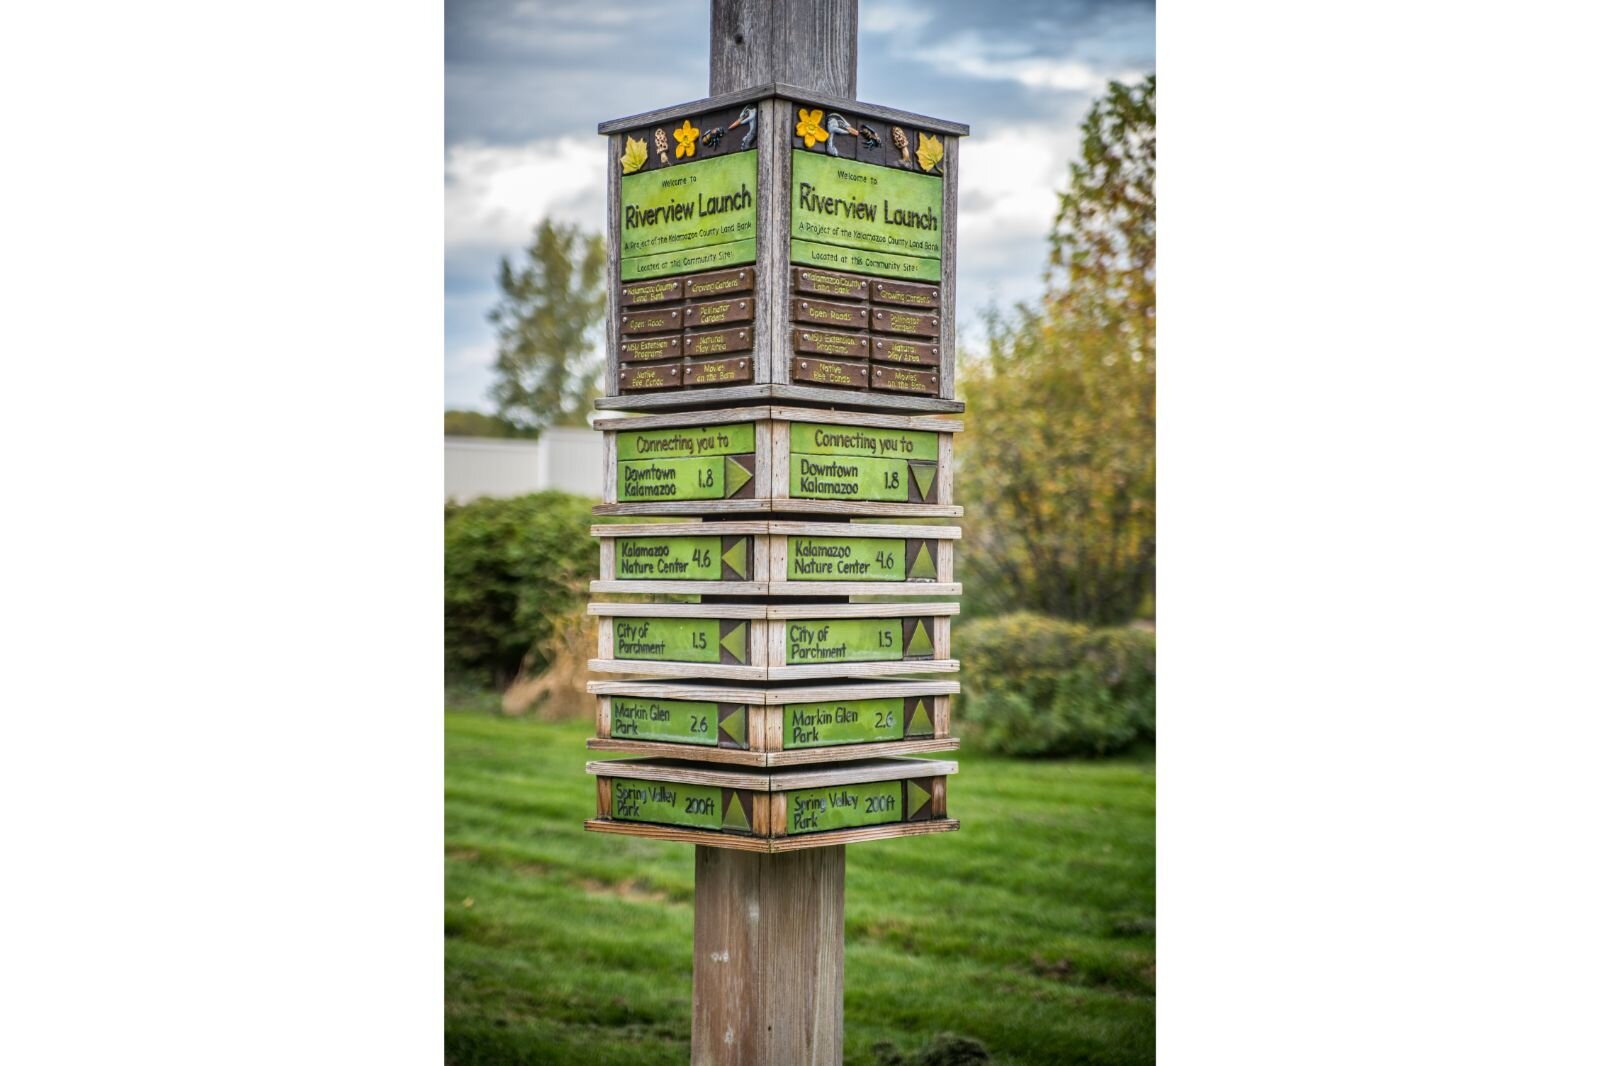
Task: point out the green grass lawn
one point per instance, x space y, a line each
1032 929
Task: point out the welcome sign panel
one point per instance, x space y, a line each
858 217
692 216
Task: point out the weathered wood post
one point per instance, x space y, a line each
782 281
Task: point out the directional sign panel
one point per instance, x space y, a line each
680 721
677 803
815 810
692 640
837 462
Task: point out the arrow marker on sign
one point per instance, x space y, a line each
732 726
733 816
924 475
921 643
919 725
734 642
917 798
738 557
922 565
734 477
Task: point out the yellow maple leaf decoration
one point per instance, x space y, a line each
810 127
685 138
930 152
635 156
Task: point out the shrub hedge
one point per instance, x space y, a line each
511 567
1033 685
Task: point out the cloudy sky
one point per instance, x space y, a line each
527 80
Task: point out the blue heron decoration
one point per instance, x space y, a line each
746 118
836 126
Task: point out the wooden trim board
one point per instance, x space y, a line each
773 759
773 845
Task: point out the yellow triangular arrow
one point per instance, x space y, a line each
738 557
735 640
920 724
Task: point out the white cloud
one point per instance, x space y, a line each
998 60
493 194
1009 179
893 18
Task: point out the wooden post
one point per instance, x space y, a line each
810 44
768 958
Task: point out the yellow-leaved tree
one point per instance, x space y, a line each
1057 466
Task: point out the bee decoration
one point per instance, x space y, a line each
869 136
711 138
661 145
897 137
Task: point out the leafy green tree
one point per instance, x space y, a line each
478 424
1058 461
548 321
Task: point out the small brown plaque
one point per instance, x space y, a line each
652 348
827 314
720 312
649 376
654 321
889 350
905 294
719 283
888 320
822 342
827 283
659 291
719 341
899 379
826 372
718 371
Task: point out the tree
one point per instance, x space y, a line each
478 424
1058 460
548 318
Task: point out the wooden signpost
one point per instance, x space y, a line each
782 306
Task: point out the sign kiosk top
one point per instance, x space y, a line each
780 243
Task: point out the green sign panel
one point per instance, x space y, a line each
673 803
682 558
855 260
843 640
693 216
877 210
827 478
695 640
816 725
813 810
847 559
690 441
675 721
712 477
813 438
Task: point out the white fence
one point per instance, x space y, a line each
566 459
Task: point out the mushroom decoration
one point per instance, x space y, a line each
836 126
897 137
661 145
747 117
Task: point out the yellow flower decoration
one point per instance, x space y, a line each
810 127
685 137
